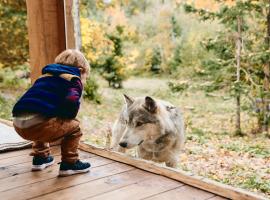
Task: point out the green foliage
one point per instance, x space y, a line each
198 135
91 90
211 87
259 151
253 150
133 7
1 77
168 44
255 52
223 45
227 14
156 60
178 86
5 108
13 33
176 60
221 68
153 60
16 77
113 66
176 28
237 88
256 181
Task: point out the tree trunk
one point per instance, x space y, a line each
266 77
238 66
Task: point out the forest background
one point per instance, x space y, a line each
210 58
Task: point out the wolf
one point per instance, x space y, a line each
153 126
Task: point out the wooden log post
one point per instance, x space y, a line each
50 30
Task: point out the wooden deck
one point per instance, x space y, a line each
108 179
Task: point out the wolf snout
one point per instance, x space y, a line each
123 144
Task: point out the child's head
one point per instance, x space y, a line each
75 58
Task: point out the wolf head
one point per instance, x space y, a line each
141 121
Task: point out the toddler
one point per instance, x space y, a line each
47 112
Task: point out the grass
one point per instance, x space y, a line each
256 182
197 135
211 150
259 150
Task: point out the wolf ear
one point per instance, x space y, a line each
150 104
128 100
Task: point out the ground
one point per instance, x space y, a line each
211 148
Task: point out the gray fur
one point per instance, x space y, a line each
154 127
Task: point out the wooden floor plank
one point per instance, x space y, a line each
99 186
107 180
14 153
23 158
16 160
54 149
54 184
22 168
33 177
14 170
140 190
185 192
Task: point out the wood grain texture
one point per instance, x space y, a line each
46 31
21 158
185 192
54 183
15 153
33 177
54 150
187 178
100 186
69 25
140 190
16 167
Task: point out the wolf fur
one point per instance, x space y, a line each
155 127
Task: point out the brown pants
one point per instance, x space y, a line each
52 130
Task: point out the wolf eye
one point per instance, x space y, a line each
139 124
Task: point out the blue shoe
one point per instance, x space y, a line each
67 169
40 163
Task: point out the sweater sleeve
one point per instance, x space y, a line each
71 102
74 92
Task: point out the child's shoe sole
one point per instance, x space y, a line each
41 167
72 172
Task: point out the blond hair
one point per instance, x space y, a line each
75 58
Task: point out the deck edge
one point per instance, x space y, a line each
176 174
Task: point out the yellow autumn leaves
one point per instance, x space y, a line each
94 40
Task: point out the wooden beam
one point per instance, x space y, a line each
69 25
179 175
46 31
